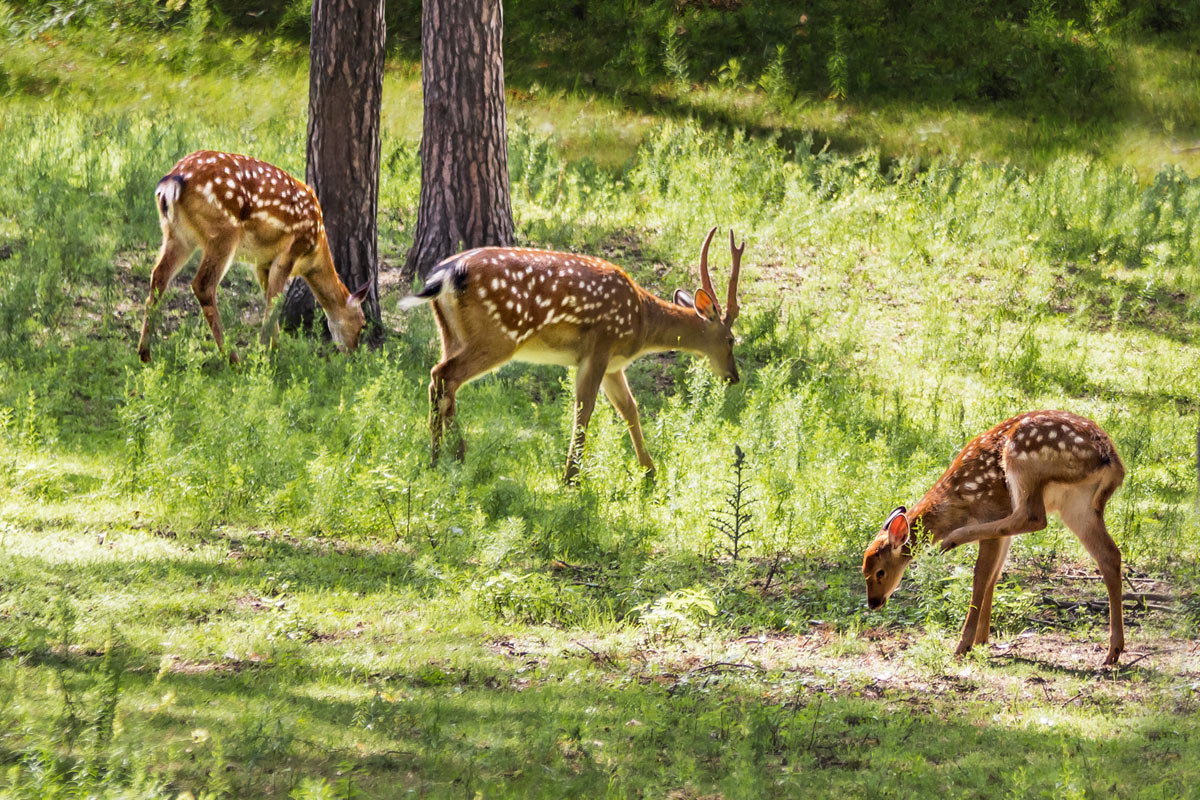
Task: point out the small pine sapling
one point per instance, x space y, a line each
734 521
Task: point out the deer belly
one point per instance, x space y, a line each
263 239
255 249
536 351
618 362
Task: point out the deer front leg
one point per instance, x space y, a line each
616 389
587 384
984 628
1029 514
992 553
171 256
276 278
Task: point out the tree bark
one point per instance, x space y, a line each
345 90
464 144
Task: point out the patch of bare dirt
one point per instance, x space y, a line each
229 665
249 602
1046 668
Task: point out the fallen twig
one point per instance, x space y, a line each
1136 599
771 572
1128 664
558 563
725 665
388 509
1088 577
602 658
812 737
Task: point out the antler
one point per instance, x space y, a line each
731 304
705 279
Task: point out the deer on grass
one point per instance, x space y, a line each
223 204
496 304
1003 484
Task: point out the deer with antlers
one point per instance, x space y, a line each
496 304
1002 484
224 204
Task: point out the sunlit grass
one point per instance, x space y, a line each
297 603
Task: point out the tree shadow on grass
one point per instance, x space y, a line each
1147 305
557 731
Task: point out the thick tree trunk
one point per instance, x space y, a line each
345 90
464 146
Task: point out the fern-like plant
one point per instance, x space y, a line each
734 521
838 65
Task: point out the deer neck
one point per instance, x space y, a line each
937 513
323 279
667 326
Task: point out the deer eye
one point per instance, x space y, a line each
879 575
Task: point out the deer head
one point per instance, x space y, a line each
717 340
887 558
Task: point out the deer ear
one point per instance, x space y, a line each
897 527
705 306
682 298
359 294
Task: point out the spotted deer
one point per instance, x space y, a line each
496 304
224 204
1003 484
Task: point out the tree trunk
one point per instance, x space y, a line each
464 144
345 89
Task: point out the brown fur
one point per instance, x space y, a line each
502 304
225 203
1004 483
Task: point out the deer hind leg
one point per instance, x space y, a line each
218 253
588 377
451 341
171 256
1087 523
988 566
616 389
441 395
449 375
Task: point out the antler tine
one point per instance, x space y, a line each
731 303
705 279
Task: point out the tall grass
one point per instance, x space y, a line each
889 315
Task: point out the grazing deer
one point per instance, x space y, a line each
224 204
496 304
1003 484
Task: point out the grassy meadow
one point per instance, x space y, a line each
247 581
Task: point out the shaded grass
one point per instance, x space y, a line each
1130 107
295 596
259 661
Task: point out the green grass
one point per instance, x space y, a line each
249 582
1000 84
